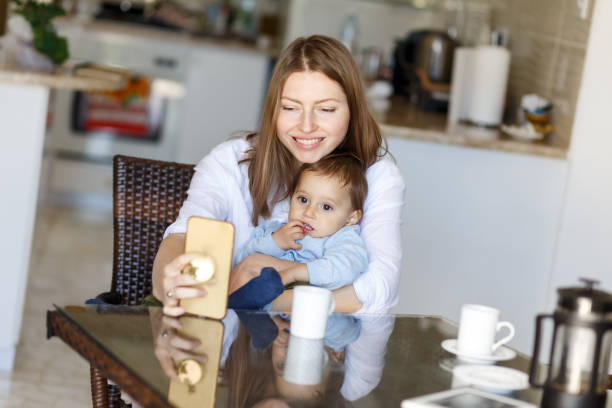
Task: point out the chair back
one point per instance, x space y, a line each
147 196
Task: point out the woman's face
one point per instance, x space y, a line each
314 115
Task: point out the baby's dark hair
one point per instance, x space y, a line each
348 168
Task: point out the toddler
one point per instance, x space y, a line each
322 233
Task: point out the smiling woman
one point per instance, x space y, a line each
315 108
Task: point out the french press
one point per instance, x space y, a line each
580 352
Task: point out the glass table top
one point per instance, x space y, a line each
251 358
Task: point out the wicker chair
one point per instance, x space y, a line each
147 196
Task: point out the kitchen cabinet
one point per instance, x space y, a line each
225 93
479 226
217 88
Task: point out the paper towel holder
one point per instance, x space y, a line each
478 86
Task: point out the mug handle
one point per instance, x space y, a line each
506 339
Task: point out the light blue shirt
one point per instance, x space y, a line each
332 262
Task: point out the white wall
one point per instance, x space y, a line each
584 247
380 23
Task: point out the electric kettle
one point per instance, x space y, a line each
422 68
580 352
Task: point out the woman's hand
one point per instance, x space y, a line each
176 285
169 285
169 346
286 235
251 267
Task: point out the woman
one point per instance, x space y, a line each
315 106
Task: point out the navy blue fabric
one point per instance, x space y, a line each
260 326
95 302
257 292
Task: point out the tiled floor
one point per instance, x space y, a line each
71 261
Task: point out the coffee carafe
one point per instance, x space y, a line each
580 352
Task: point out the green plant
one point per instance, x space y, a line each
45 39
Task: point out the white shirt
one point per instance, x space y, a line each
220 190
364 360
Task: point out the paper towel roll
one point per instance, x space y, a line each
489 71
461 84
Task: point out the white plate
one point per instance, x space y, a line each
464 397
526 132
492 378
503 353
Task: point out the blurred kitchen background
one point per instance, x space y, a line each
491 216
202 56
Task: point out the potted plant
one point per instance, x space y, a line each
38 44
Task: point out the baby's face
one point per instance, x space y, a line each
322 205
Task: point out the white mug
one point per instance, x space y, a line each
305 361
309 312
477 329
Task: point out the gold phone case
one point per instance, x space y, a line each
196 386
213 239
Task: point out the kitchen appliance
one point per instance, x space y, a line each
580 353
423 65
135 111
144 119
479 82
131 11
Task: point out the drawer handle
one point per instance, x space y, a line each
165 62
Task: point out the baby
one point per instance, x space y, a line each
322 234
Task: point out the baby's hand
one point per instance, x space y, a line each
286 235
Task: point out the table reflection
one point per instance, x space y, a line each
249 359
261 364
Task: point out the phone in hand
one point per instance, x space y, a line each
213 240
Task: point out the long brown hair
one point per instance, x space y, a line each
248 372
272 168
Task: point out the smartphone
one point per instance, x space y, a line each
213 239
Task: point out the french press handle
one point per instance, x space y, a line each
536 351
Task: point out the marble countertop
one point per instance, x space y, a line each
406 121
61 78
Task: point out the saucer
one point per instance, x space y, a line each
503 353
526 132
492 378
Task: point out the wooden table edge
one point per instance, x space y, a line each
59 326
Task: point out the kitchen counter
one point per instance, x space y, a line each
162 34
24 99
400 120
406 121
61 78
